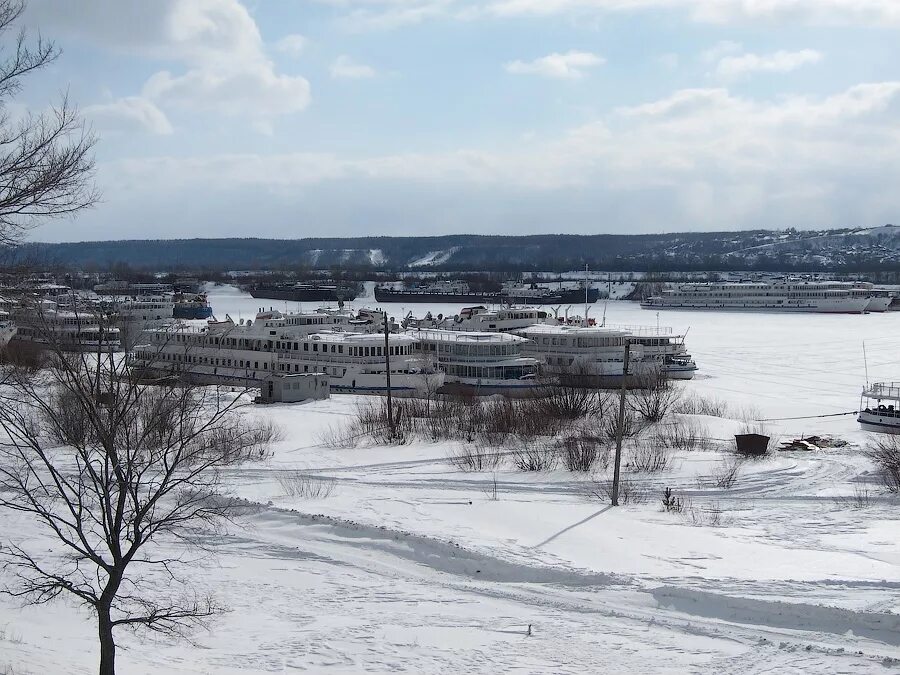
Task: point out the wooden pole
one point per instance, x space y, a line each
620 428
387 373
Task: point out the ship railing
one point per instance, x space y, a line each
342 358
643 331
886 390
436 335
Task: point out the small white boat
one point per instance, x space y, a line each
879 409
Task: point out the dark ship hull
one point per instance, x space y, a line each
571 296
192 312
303 293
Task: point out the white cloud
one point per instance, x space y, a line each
128 115
697 159
720 50
217 42
346 68
776 62
571 65
694 135
392 13
253 90
292 45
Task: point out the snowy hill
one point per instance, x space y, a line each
851 249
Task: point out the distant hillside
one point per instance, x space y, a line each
858 249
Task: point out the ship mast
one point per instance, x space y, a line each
585 295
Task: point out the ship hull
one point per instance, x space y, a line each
843 307
291 295
192 312
572 297
879 424
879 304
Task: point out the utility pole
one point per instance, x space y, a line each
387 373
620 428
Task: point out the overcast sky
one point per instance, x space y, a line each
293 118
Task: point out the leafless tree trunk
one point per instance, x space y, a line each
46 161
108 467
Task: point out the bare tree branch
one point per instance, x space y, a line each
46 160
111 468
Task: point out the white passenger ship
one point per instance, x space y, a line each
66 327
786 296
480 363
481 319
355 362
7 329
249 353
661 342
879 409
591 351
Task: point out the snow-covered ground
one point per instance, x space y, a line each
410 565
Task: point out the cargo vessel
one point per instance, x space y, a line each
305 292
509 294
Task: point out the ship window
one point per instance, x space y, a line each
306 346
340 349
315 347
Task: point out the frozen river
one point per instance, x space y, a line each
406 564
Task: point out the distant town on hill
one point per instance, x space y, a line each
849 249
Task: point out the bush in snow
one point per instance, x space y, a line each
649 457
630 491
530 455
581 453
654 397
681 434
475 457
885 452
305 485
671 503
696 404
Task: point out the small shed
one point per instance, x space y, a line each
751 444
294 388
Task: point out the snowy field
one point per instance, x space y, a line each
409 565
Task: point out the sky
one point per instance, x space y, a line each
299 118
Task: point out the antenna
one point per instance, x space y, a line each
865 363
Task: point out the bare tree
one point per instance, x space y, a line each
571 392
46 161
113 470
653 397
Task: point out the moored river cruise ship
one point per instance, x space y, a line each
249 353
787 296
480 363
